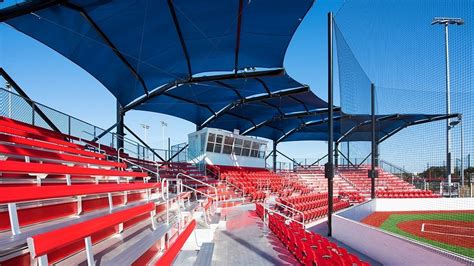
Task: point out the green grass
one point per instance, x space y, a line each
391 225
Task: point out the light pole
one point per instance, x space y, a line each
452 125
446 22
145 128
163 125
9 88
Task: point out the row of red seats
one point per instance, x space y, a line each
352 196
308 247
359 178
254 182
407 194
319 212
304 198
304 206
285 192
302 188
258 196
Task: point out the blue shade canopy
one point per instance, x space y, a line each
135 46
206 103
252 113
346 127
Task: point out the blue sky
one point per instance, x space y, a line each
54 81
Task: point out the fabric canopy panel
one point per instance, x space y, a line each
346 127
134 47
223 100
251 114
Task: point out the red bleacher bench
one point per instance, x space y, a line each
10 150
43 244
24 140
41 170
30 132
15 195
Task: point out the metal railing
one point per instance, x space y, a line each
240 189
396 170
215 198
238 182
265 209
14 106
143 169
167 198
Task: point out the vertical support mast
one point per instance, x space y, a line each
274 155
120 126
329 169
448 111
372 173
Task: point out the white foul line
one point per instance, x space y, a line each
440 233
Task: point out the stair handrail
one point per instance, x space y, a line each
203 183
403 171
215 199
243 187
167 198
141 167
344 178
265 201
291 209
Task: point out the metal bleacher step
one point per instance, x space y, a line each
128 245
10 244
130 251
232 200
216 218
204 256
189 209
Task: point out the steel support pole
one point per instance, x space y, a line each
462 152
169 148
329 169
372 173
448 111
29 101
120 126
348 153
377 154
274 155
336 155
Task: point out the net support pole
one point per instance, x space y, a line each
274 156
120 126
372 172
448 111
462 151
329 168
348 153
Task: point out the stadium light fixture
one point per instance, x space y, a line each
446 21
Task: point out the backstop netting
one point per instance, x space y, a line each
394 45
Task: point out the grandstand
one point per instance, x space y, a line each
75 193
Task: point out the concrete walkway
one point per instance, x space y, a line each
244 241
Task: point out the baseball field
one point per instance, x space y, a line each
449 230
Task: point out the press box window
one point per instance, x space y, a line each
238 146
228 142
